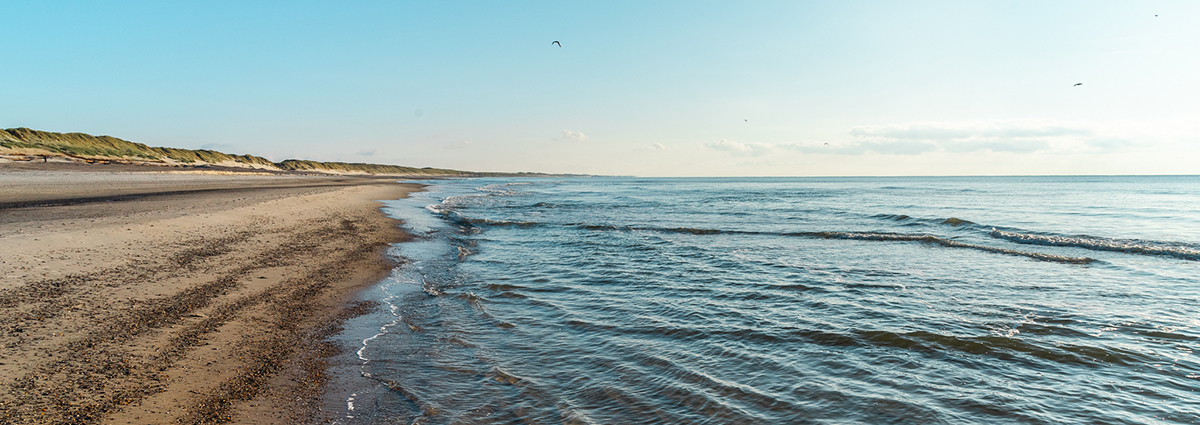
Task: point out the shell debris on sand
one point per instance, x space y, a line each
172 323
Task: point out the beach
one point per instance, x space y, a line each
133 295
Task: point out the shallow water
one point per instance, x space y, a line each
789 300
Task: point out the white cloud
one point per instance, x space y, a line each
574 135
654 147
1109 143
968 131
903 147
995 136
461 144
738 148
759 163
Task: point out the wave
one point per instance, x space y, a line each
919 341
495 190
955 221
602 227
500 223
691 230
863 236
1129 246
995 345
907 220
502 189
464 220
930 342
930 239
883 237
1179 250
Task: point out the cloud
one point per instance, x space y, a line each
905 147
810 147
574 135
371 152
461 144
919 138
654 147
997 145
738 148
900 147
966 131
759 163
1108 143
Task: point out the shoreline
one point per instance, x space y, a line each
148 303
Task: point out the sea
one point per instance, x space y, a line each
875 300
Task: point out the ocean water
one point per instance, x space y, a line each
952 300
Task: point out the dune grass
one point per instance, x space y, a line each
111 148
305 165
108 148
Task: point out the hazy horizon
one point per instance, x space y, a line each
667 89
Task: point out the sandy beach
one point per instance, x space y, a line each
132 296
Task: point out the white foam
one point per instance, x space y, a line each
1172 249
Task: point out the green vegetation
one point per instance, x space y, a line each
86 146
107 148
305 165
189 156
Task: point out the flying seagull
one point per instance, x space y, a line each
556 42
746 120
1077 84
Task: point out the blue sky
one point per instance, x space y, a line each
660 89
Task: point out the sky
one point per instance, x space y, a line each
670 88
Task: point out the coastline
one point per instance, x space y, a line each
134 298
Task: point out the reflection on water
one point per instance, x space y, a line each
885 300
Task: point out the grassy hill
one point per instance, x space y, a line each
306 165
86 146
80 146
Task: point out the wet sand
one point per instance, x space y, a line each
146 298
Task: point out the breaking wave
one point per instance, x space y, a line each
1169 249
930 239
862 236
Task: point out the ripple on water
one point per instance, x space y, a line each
796 301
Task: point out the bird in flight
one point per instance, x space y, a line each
556 42
1077 84
746 120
